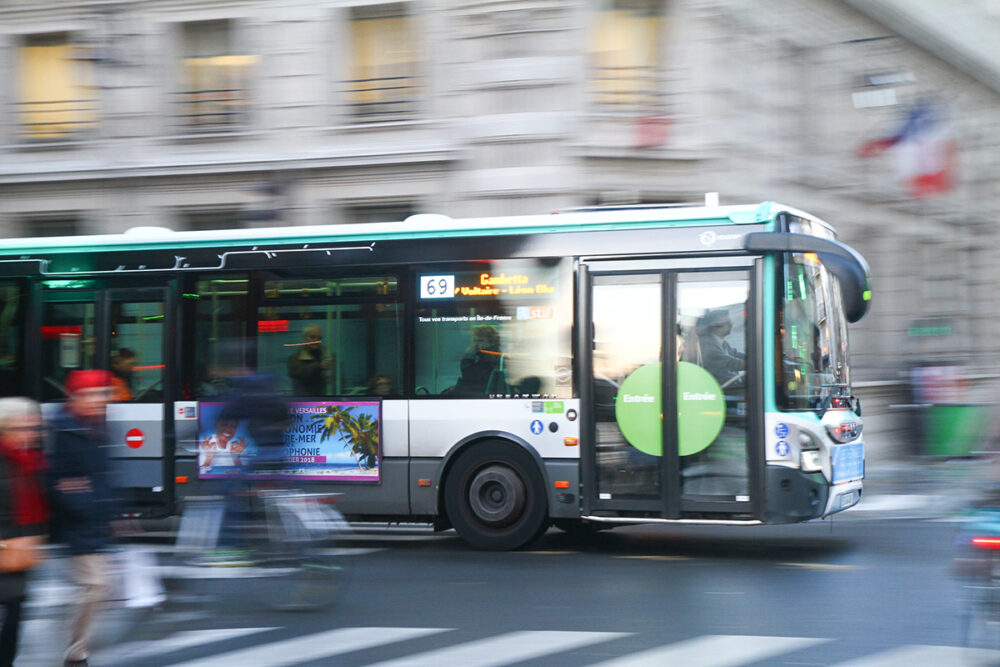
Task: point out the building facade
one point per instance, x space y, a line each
197 115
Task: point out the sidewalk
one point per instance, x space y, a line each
921 487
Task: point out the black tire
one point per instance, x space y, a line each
495 497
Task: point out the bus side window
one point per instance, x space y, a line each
323 350
68 342
499 330
11 340
136 355
221 307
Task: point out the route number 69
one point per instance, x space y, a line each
437 287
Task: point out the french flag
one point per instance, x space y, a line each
925 150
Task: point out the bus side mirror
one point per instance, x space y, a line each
844 262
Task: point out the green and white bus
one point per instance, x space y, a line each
496 375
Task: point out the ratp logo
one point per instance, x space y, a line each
709 238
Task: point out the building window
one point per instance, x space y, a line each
51 225
214 86
224 218
625 55
379 212
57 95
384 62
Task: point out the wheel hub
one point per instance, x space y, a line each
496 495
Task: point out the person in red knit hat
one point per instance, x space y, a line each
83 505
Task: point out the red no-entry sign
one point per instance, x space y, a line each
134 438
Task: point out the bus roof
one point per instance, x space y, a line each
417 226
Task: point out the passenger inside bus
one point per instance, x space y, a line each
122 369
529 386
718 357
309 366
380 385
481 365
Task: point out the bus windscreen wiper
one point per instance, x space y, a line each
830 395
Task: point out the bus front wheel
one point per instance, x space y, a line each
495 497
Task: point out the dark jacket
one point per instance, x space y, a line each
12 584
80 519
477 368
721 359
305 368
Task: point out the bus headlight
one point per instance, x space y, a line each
844 431
810 459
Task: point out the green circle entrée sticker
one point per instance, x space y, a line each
638 409
701 409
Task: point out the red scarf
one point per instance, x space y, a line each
24 468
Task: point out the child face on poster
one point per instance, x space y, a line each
225 430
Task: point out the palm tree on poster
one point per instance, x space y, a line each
364 440
335 420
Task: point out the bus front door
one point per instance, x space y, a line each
672 358
124 330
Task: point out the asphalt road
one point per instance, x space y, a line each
873 591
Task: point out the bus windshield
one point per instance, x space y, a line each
812 336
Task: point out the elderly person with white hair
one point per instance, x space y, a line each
23 511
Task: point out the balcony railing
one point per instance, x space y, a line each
55 120
383 98
211 110
628 88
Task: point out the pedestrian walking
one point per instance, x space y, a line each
82 498
254 409
23 511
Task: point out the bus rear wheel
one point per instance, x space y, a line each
495 497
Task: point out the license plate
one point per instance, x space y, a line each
848 462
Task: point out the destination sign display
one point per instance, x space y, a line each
485 284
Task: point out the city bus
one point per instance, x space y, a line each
582 369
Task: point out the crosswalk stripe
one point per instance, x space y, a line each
312 647
505 649
201 572
181 640
715 651
928 656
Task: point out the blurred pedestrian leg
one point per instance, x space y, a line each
90 573
9 633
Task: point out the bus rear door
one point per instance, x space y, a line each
125 330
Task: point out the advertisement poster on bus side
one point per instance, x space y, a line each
336 441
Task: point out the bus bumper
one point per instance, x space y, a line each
843 496
792 495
